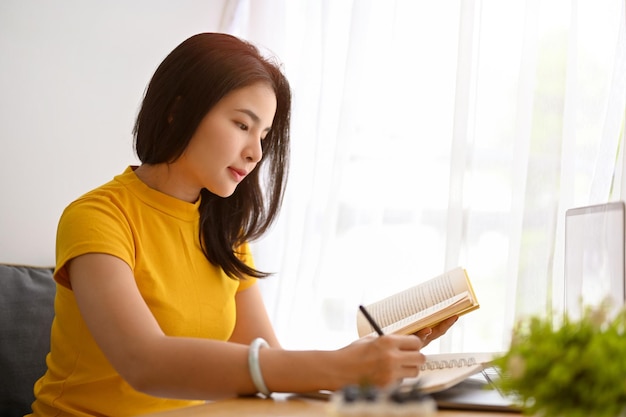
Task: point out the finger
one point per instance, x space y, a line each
424 333
409 343
411 359
443 327
409 372
447 323
411 366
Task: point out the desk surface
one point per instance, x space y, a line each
287 406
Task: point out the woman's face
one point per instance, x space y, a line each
226 146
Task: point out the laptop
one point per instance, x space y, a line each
477 393
594 269
594 257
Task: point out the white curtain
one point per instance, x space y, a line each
428 135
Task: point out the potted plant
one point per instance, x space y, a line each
558 367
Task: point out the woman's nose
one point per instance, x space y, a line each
254 151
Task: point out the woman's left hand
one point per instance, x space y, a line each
429 334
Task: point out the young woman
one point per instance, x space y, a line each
157 304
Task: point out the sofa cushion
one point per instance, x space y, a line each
26 312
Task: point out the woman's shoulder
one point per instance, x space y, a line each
104 198
110 190
98 221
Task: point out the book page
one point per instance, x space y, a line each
430 315
426 297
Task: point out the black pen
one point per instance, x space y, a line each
371 321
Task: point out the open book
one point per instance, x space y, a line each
423 305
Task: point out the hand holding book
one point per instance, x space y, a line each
422 306
428 334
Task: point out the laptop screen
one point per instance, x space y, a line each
594 256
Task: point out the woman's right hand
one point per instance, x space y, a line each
384 360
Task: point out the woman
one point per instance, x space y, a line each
157 303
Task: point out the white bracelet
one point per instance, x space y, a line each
255 368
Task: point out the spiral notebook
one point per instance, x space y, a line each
438 373
442 371
455 381
461 381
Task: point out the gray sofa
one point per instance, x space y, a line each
26 312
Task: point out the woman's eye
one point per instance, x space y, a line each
242 126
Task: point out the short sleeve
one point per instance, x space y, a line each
92 225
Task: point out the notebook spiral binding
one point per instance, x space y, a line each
452 363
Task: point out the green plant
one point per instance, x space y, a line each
563 367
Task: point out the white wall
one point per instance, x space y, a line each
73 73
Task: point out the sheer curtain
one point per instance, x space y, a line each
428 135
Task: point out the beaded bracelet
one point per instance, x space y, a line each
255 368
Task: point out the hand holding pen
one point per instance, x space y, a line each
406 350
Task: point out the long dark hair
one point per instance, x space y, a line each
188 83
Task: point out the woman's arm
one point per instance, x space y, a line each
252 319
131 339
194 368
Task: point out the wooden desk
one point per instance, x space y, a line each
286 406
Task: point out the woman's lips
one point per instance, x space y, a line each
238 174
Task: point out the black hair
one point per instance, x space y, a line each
196 75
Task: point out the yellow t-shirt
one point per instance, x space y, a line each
157 235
